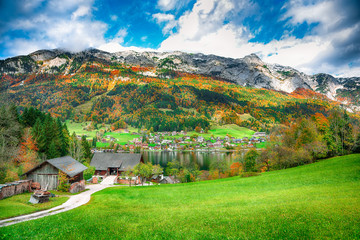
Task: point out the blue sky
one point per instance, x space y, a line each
310 35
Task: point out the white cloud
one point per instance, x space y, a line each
71 28
115 44
337 31
166 20
77 36
167 5
120 35
113 17
30 5
144 38
113 47
322 12
81 12
207 16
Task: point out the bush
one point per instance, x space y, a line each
64 184
89 172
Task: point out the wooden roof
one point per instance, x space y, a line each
66 164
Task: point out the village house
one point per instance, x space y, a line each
156 178
165 142
218 144
259 134
114 163
168 180
47 173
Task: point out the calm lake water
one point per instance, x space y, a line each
203 159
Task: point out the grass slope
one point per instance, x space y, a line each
19 205
316 201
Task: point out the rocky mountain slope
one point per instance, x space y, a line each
249 71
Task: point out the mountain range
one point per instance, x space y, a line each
249 71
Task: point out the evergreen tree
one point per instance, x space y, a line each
75 148
86 150
347 131
52 151
36 129
61 137
93 145
66 140
25 118
10 135
357 145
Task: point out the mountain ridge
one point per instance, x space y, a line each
249 71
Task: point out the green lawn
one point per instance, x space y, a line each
316 201
78 129
220 131
123 138
19 205
231 129
262 145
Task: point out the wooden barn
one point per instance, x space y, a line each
114 163
46 173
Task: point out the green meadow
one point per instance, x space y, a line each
221 131
19 205
316 201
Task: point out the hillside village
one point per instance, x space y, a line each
180 141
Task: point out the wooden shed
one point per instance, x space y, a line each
114 163
46 173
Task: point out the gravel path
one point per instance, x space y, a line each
73 202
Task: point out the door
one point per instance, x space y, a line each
47 180
113 171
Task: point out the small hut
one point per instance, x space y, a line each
47 173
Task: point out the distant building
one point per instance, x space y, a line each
168 180
114 163
259 134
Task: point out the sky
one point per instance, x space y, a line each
312 36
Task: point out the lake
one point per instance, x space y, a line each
202 159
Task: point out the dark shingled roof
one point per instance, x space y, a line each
103 161
66 164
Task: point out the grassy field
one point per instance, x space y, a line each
78 129
317 201
18 205
123 138
220 131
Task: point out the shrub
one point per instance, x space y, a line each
64 184
89 172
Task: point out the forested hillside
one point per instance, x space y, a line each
121 94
